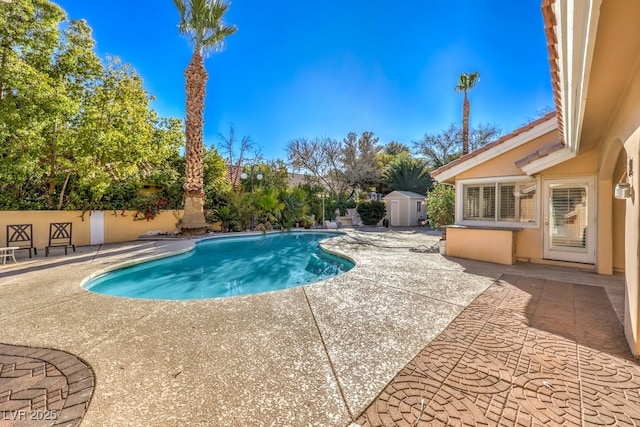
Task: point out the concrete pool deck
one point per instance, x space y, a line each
321 354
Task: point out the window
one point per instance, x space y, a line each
418 206
479 202
500 202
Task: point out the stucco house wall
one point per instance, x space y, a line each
505 163
595 73
625 128
529 246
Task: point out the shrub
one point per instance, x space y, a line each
225 214
306 221
441 206
372 212
147 207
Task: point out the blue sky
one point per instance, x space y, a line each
306 69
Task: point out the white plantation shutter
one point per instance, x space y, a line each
516 202
507 202
471 202
569 217
489 202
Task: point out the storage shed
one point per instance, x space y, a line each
405 208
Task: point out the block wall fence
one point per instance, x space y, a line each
90 227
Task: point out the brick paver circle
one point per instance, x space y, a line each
42 387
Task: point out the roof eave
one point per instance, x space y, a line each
574 24
548 161
541 129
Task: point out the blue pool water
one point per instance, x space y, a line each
227 267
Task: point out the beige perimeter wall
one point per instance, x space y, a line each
118 226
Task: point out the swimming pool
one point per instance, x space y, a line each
227 266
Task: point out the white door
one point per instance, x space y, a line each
96 223
569 220
395 213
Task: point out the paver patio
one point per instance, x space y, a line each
482 344
526 352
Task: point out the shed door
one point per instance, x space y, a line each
570 220
395 213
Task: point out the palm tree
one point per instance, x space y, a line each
226 215
269 207
294 207
201 21
406 173
465 84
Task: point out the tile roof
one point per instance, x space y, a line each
296 179
552 43
539 153
233 174
493 144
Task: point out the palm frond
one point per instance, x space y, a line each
467 81
202 22
182 10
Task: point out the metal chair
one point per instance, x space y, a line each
59 236
21 237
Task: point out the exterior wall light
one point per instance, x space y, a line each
624 190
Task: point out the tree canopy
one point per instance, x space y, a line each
75 130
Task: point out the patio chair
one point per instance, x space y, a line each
59 236
20 236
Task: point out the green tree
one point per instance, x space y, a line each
466 82
167 171
74 133
389 153
408 174
441 205
29 98
273 174
359 160
116 133
216 185
201 21
74 73
394 148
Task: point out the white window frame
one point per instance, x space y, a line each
459 213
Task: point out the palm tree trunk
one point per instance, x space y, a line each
193 220
465 125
